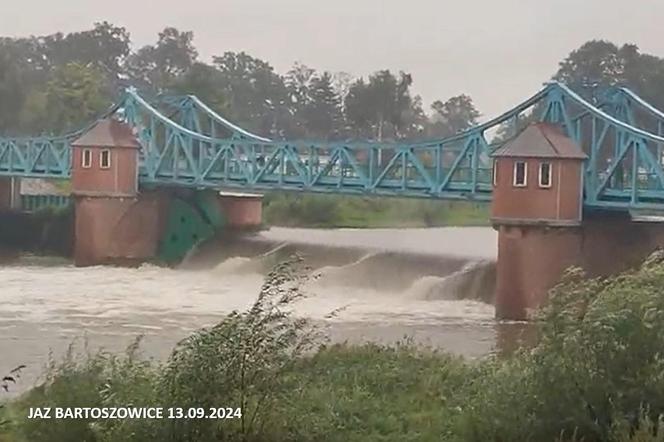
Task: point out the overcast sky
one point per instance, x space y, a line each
498 52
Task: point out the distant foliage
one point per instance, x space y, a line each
453 116
598 63
56 82
349 211
303 210
61 81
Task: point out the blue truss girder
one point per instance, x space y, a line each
35 157
624 169
192 113
627 106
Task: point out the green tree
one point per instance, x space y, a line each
205 82
27 65
298 82
455 115
342 82
323 114
105 46
644 73
158 67
597 64
257 96
75 96
13 87
383 108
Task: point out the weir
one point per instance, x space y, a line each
146 186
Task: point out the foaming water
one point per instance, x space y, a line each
476 281
236 265
378 293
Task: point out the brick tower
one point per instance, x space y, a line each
112 223
537 210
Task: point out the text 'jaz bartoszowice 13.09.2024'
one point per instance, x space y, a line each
135 413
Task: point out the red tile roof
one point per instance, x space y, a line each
541 140
108 132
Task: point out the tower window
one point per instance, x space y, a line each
545 175
86 159
105 159
520 174
495 173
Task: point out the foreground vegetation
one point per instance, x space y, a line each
297 210
595 374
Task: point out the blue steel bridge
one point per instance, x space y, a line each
186 144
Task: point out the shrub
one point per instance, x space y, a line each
72 382
599 361
238 363
7 382
371 392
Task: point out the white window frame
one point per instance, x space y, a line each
548 186
525 174
86 158
495 173
101 159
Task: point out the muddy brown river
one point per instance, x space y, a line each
433 286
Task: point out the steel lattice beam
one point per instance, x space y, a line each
624 170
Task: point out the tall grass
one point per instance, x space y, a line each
595 374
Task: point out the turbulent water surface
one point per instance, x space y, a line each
432 285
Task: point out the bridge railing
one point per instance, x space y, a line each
34 203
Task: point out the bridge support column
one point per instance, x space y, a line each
112 230
241 211
531 260
194 217
10 193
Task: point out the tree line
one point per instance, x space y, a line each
56 83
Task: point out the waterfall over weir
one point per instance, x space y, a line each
343 268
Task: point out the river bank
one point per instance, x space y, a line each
334 211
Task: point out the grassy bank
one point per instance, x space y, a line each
595 374
304 210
